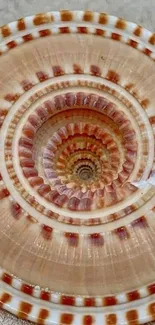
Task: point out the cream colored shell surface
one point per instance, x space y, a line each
77 169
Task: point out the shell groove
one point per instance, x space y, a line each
77 133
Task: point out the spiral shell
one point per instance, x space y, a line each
77 138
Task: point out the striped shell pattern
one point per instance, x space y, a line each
77 195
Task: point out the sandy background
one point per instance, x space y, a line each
139 11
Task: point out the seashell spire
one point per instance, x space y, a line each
77 206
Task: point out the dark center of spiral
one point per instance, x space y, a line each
85 173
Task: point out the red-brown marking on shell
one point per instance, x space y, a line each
8 144
97 239
45 295
137 31
140 222
27 85
82 30
4 193
15 210
133 295
41 19
43 315
128 87
5 298
11 44
27 289
45 32
32 200
135 94
46 232
109 301
111 319
6 31
151 310
121 24
116 37
66 15
145 103
147 52
24 310
113 76
95 70
77 69
89 302
32 219
88 16
152 39
72 238
64 30
28 37
0 177
3 112
7 278
140 172
151 289
36 181
133 43
11 97
122 233
99 32
66 319
44 189
29 131
152 119
21 24
42 76
132 317
113 217
103 18
73 203
30 172
58 71
88 320
68 300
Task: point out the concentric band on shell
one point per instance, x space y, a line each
77 131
